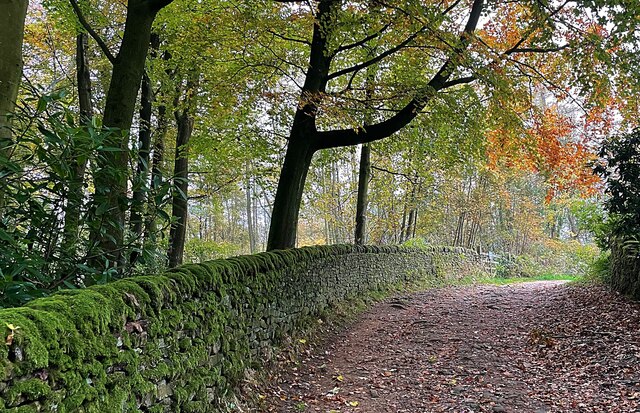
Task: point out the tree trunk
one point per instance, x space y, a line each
415 222
254 205
363 192
335 211
250 214
179 210
156 174
284 219
11 35
410 221
142 170
79 163
462 223
303 141
400 240
111 176
177 234
364 173
141 180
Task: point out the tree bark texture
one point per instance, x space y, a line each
363 193
12 16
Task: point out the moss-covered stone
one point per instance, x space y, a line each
180 341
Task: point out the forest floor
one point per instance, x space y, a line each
530 347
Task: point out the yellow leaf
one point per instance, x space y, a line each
354 403
12 327
303 341
339 377
11 336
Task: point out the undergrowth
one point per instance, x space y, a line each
516 280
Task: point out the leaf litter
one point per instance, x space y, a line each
532 347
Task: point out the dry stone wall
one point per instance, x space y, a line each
181 341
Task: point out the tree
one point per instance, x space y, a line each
184 121
11 36
305 139
364 173
424 49
110 178
363 191
619 166
79 161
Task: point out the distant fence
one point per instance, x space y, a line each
181 341
494 263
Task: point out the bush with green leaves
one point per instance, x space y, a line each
620 169
48 210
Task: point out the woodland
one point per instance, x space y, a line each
139 135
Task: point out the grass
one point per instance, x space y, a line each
516 280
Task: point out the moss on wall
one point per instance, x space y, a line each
625 267
180 341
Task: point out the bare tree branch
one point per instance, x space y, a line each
375 59
85 24
381 130
289 39
363 41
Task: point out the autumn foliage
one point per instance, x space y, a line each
553 146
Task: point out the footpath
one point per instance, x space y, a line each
531 347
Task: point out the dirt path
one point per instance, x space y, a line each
533 347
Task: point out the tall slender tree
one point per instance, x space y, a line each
79 161
111 176
180 212
364 172
12 20
140 182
